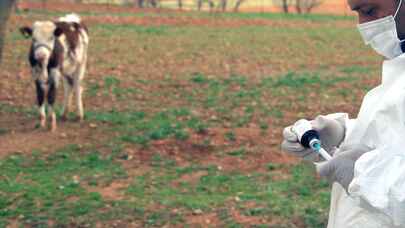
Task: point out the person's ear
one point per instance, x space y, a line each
26 31
58 32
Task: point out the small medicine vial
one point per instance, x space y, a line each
309 138
305 133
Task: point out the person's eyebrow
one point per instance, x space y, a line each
359 6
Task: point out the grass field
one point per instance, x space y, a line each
184 114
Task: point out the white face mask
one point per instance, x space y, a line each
382 35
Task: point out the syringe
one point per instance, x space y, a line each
315 145
309 138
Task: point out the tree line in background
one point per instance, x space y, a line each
287 6
300 6
220 5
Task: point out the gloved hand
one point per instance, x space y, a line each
331 133
341 168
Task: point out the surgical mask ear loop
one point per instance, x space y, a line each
398 8
396 14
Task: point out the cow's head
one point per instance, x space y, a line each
43 34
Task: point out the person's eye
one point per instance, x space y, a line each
369 11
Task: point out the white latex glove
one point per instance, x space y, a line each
341 168
331 133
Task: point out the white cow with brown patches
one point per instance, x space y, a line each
58 50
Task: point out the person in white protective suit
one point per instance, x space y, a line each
368 164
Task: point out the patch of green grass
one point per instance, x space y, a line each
137 29
263 125
111 82
211 191
356 69
276 113
230 136
238 101
230 98
92 89
293 80
112 86
117 118
199 78
139 128
35 189
10 109
309 193
237 153
257 211
272 166
160 161
3 131
296 196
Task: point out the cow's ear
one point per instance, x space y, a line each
26 31
58 32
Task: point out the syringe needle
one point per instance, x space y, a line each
324 154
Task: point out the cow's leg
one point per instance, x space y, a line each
51 103
79 90
52 89
78 93
67 100
41 104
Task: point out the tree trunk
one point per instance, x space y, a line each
298 6
212 6
153 3
199 4
5 10
285 6
180 4
223 5
139 3
237 5
312 4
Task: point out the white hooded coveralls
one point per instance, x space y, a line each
377 192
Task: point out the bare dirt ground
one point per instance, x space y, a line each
22 133
136 66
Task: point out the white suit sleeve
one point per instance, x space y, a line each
379 181
379 175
